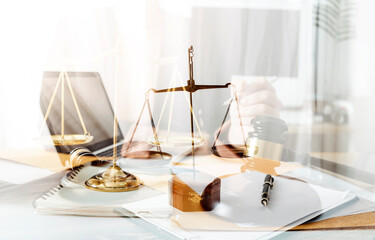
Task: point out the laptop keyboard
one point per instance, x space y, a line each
109 152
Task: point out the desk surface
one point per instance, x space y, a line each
19 221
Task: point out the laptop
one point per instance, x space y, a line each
94 106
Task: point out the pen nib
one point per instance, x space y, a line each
264 202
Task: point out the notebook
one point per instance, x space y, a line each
71 197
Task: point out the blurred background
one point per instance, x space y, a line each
318 53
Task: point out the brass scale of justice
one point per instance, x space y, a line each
114 179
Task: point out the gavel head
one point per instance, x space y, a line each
264 145
82 155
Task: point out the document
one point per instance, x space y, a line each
240 212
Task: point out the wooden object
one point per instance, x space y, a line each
350 222
186 199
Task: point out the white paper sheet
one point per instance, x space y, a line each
17 173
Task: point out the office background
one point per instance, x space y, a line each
322 78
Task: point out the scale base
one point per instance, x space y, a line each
114 179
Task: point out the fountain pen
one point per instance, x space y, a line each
267 186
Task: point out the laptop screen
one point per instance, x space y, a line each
93 104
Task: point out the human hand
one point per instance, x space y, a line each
256 97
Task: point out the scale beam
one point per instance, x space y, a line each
190 88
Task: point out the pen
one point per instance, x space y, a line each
267 186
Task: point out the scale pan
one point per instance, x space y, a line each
178 141
67 139
148 155
228 151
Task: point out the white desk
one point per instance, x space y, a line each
19 221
